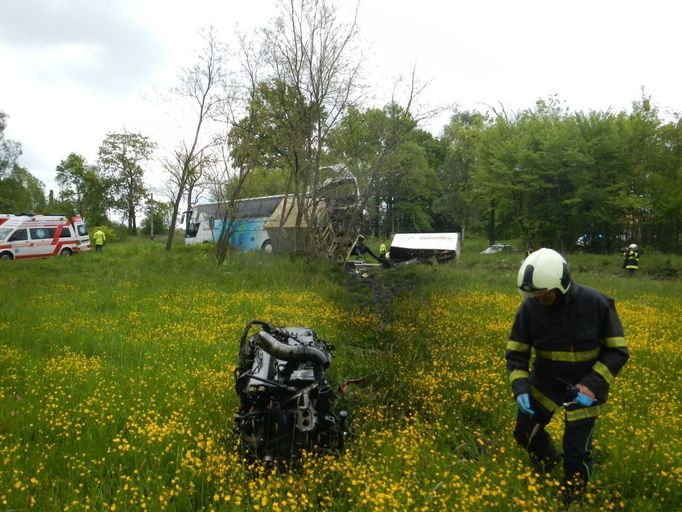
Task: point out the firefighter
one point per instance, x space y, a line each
579 348
630 258
100 239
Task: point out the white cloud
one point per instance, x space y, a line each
100 44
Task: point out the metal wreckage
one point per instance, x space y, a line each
286 402
405 249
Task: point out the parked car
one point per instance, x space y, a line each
498 248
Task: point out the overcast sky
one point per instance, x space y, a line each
73 70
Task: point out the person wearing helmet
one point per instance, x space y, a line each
631 258
579 348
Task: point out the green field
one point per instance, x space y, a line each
117 392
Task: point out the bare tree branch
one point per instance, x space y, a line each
203 84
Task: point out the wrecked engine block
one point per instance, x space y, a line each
285 400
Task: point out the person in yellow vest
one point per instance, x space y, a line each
382 250
100 239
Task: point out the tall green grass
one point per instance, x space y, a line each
116 387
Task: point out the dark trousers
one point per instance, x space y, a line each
530 433
98 247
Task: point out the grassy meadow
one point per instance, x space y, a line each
117 387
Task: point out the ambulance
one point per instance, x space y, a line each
27 235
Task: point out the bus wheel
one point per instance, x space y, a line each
266 247
65 252
6 256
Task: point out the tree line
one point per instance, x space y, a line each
277 113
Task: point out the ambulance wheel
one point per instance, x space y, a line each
66 252
6 256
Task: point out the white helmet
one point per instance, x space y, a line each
633 246
543 270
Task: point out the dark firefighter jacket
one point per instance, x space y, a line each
578 340
631 261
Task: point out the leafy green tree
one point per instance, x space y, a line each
161 213
300 92
264 182
666 186
362 141
276 133
20 191
644 150
395 163
627 172
525 172
548 176
595 209
460 142
121 156
411 187
83 189
279 134
9 149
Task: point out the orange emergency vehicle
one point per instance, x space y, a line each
40 236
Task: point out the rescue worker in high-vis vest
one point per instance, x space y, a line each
579 348
631 258
100 239
382 250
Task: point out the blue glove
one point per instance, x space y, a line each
523 401
583 399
